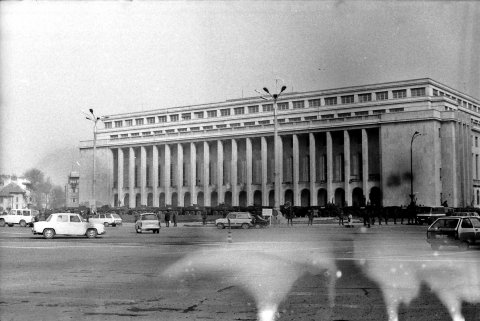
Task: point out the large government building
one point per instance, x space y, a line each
347 146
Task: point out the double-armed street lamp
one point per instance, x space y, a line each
91 117
276 170
412 196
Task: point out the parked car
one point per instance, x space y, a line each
22 217
428 214
244 220
107 219
461 231
147 222
67 224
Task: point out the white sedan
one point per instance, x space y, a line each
67 224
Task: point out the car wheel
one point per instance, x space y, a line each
220 226
105 224
464 246
92 233
48 233
114 224
245 226
10 225
258 226
2 222
138 229
23 223
435 247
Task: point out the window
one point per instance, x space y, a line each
129 122
139 121
225 112
379 111
235 125
396 110
157 132
113 136
362 113
310 117
134 134
249 123
252 109
344 115
298 104
222 126
364 98
282 106
108 125
198 114
150 120
186 116
314 103
182 129
169 131
174 117
418 92
294 119
124 135
208 127
211 113
281 120
74 218
328 116
330 101
476 141
264 122
399 93
267 107
435 92
162 119
193 129
146 133
347 99
381 95
118 123
239 110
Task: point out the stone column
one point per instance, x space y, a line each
264 152
346 163
143 175
279 166
313 169
206 174
330 191
365 164
296 170
155 175
248 182
166 175
220 189
131 176
233 173
193 172
180 174
120 177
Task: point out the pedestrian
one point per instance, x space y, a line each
174 217
340 216
167 218
366 215
310 216
349 220
204 217
289 214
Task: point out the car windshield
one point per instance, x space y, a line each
116 216
149 217
49 218
448 223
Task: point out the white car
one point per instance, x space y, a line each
67 224
147 222
235 219
22 217
106 219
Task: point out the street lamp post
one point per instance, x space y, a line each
412 196
276 170
94 119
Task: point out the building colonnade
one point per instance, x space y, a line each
340 166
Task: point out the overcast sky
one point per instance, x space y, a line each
58 58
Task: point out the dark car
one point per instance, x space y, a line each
461 231
259 221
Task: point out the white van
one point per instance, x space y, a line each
23 217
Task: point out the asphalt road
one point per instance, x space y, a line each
324 272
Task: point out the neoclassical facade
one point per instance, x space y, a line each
346 145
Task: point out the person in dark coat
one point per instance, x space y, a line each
174 217
167 218
204 217
310 216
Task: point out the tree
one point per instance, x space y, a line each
40 186
57 197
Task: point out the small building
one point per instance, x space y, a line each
71 189
13 196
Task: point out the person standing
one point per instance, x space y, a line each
310 216
167 218
204 217
174 218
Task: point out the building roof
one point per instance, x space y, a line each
11 188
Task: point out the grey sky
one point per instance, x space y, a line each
58 58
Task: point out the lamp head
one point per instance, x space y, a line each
283 89
266 90
91 111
